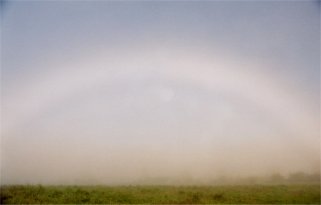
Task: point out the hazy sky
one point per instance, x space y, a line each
115 92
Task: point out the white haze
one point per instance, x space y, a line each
158 108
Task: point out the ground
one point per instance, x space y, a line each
240 194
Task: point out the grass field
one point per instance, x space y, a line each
249 194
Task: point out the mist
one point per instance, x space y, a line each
122 93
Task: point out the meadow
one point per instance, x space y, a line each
224 194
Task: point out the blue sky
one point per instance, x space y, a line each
224 85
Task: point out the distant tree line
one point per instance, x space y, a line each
276 178
297 177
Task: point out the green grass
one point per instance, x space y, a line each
247 194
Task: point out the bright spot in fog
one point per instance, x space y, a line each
166 94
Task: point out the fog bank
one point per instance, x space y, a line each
159 92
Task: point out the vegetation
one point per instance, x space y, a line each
244 194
